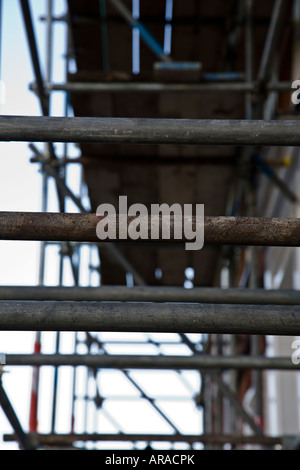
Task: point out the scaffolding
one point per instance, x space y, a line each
207 334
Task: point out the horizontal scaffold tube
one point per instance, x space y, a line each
82 227
69 439
156 87
152 294
195 362
149 317
149 131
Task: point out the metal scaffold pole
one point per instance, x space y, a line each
250 87
22 437
69 439
213 295
149 131
251 231
156 317
195 362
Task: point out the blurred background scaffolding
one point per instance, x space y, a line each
139 59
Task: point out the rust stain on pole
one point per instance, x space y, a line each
252 231
82 227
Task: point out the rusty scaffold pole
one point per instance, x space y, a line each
260 231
